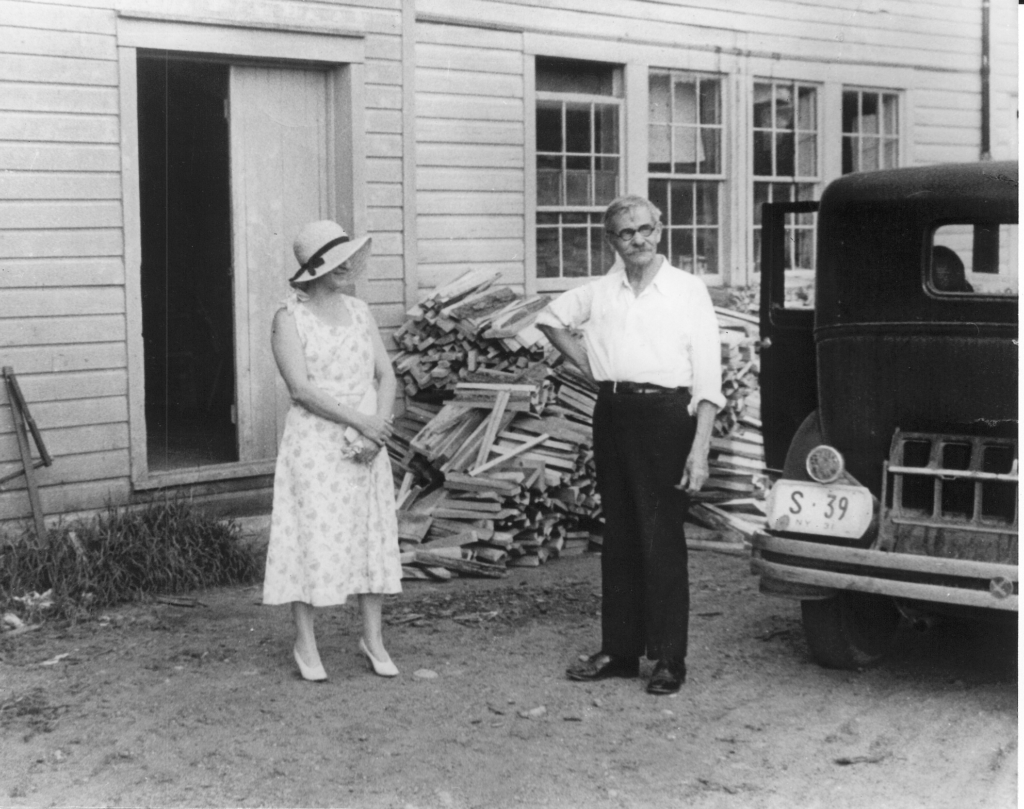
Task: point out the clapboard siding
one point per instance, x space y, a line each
35 68
73 469
58 215
61 272
435 275
57 43
30 126
29 331
72 497
56 18
469 133
55 301
68 357
83 242
58 185
59 157
71 440
713 28
74 413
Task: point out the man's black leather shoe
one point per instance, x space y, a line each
601 665
666 679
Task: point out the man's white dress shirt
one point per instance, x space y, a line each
667 335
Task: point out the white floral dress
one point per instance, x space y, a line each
334 529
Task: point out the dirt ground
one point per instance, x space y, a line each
159 705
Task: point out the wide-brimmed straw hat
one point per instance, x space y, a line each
323 246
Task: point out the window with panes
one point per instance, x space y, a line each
685 167
871 130
579 164
786 162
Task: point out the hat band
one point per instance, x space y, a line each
317 259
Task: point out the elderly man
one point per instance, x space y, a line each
650 341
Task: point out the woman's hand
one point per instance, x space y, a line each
367 452
375 429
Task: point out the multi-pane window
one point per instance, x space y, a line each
685 172
871 130
579 164
785 143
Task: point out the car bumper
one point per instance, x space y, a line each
802 569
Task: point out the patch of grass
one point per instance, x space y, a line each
165 548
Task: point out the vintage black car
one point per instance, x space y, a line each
890 406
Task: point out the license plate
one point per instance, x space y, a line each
837 510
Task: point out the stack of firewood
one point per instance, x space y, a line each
493 454
469 329
492 478
732 499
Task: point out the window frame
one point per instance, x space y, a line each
563 282
899 137
719 178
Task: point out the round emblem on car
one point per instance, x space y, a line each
824 464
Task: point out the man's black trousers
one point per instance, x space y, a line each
641 441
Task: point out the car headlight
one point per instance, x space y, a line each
825 464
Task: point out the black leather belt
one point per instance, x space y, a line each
636 387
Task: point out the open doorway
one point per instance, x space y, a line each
186 278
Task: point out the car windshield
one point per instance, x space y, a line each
978 258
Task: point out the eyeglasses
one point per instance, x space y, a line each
627 234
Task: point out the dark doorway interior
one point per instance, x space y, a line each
186 263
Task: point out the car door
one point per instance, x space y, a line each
788 362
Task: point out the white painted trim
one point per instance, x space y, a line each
206 474
410 259
530 281
131 212
635 138
231 39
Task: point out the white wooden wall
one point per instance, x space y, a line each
62 276
468 90
469 153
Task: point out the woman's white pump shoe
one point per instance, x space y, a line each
314 674
386 669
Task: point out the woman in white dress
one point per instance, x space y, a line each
334 529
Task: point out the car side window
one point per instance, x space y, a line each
978 258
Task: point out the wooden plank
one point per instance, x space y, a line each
23 97
383 96
58 243
384 170
74 413
72 440
508 455
470 57
73 469
430 80
454 131
482 250
39 185
52 359
444 178
54 301
460 565
51 215
466 107
48 68
58 43
383 145
61 330
62 272
34 126
76 385
70 18
434 275
453 204
38 157
470 227
470 156
61 499
459 35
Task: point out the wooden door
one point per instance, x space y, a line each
280 180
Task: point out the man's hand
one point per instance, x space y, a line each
695 473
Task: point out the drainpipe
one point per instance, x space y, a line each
986 146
